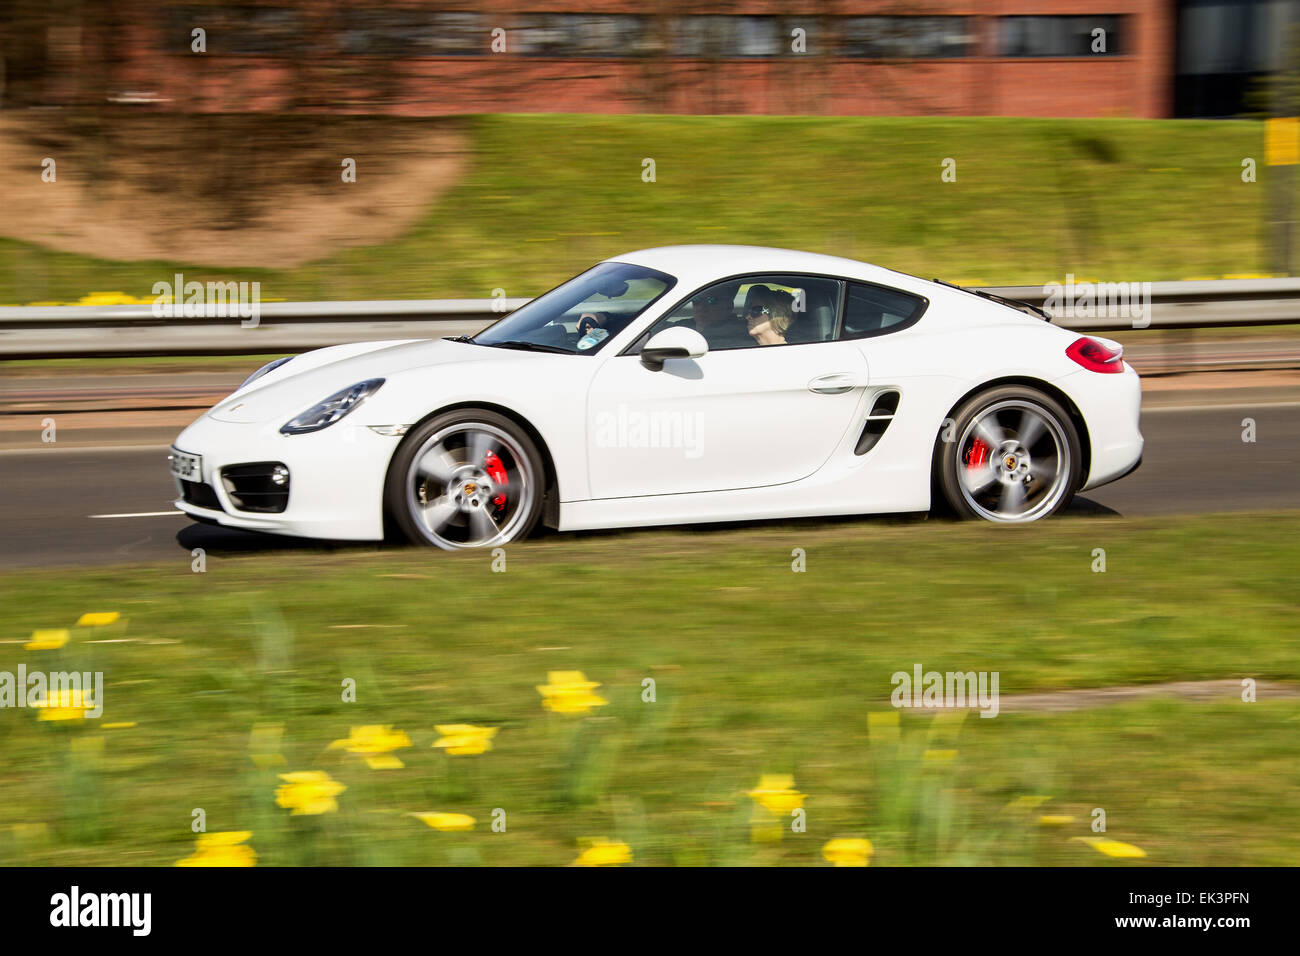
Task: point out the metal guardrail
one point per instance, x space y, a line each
73 331
1204 304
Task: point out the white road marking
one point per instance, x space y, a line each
55 448
141 514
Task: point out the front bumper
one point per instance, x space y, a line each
336 484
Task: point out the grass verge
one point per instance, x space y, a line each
757 670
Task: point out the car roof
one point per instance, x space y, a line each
698 264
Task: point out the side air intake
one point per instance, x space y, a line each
882 413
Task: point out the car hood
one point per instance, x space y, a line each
314 376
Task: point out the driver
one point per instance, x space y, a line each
716 320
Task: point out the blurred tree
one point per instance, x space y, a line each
24 51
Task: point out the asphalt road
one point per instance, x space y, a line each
50 497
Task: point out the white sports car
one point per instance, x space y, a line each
674 385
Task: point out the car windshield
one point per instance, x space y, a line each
583 314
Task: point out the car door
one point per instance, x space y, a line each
741 417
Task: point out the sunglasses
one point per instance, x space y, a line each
756 310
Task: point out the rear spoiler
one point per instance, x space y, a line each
1016 304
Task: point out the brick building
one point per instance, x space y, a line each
423 57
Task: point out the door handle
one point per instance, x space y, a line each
837 383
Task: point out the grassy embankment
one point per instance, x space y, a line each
545 196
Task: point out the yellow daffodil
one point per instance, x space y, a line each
569 692
775 792
46 640
1055 820
602 851
465 739
847 851
774 799
446 821
66 705
375 743
112 298
222 849
308 792
1112 847
98 618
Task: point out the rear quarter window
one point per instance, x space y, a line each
875 310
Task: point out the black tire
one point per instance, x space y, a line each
1005 481
443 489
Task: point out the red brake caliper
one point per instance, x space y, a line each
978 456
497 472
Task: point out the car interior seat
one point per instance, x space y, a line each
817 322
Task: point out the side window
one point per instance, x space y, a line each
874 310
759 310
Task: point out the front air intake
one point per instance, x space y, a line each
197 493
260 487
883 408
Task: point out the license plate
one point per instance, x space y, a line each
185 466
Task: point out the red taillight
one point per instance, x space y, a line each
1096 357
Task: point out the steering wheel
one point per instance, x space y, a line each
591 320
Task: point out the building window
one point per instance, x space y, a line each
237 30
453 34
1094 35
612 35
724 37
811 25
398 33
889 38
577 35
381 33
543 34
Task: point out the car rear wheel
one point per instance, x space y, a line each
468 478
1014 456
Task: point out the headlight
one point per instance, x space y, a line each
329 411
268 367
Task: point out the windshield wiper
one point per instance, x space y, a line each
460 338
1016 304
523 346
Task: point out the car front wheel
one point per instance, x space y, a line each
468 478
1012 455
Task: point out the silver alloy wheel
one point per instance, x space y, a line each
457 498
1024 468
